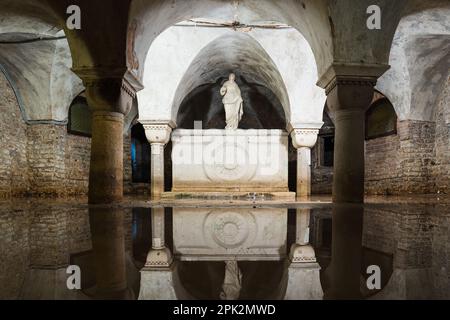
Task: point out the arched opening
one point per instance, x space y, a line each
266 100
381 119
322 156
189 61
80 117
258 141
325 145
140 155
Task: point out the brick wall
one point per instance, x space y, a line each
417 235
42 159
403 230
58 162
415 160
15 251
13 146
77 158
402 163
42 236
321 180
441 251
46 159
442 167
48 238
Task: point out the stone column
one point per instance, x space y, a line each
350 90
110 93
301 250
159 255
158 134
108 244
344 272
349 100
303 139
303 270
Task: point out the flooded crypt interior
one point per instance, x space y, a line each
224 150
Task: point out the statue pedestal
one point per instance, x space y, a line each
230 163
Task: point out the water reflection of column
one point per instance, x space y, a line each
302 228
108 243
303 271
159 256
344 271
301 251
157 276
158 241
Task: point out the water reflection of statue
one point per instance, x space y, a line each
233 103
232 284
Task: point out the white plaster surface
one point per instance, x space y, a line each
183 58
420 64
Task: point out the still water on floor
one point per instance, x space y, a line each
385 250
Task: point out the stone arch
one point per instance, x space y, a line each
419 64
35 56
381 118
177 51
244 56
149 20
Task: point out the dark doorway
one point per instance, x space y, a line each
140 155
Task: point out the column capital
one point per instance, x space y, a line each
302 254
158 131
110 89
304 135
358 73
350 85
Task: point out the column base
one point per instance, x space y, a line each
303 275
158 283
303 282
159 259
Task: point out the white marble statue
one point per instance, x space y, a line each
233 103
232 284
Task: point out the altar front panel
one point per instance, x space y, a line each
221 234
230 161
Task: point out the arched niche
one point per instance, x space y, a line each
256 74
280 60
